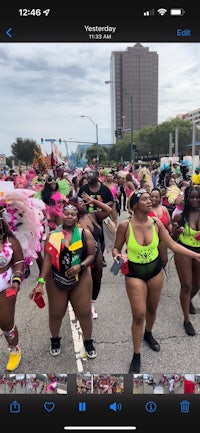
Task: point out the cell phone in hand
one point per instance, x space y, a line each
116 265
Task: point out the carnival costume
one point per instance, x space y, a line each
144 262
63 257
172 193
190 238
24 214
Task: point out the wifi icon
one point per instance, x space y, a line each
162 11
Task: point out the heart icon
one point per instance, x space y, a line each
49 406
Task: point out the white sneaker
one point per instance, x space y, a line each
94 313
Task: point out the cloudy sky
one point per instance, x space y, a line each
46 87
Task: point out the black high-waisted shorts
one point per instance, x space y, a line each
145 271
64 283
195 249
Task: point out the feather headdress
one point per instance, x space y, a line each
172 193
24 213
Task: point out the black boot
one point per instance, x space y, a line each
189 328
153 344
135 364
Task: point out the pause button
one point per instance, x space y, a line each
82 406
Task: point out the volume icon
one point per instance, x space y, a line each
116 406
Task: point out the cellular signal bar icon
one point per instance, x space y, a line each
162 11
149 13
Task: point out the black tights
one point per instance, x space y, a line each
122 198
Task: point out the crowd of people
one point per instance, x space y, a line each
33 383
166 384
57 218
99 384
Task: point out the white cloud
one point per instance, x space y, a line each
46 87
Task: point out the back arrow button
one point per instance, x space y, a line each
8 32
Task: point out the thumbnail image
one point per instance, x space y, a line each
84 383
33 384
108 384
100 383
56 384
166 383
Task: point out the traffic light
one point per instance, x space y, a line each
116 133
60 140
120 132
42 140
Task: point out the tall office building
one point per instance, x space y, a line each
133 89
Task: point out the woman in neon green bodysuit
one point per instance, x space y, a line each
144 280
186 230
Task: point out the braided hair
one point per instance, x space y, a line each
186 205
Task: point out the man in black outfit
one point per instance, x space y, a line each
97 190
121 192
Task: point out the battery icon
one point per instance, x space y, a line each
177 12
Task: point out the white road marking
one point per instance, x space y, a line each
77 337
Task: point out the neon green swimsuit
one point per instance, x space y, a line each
187 238
142 254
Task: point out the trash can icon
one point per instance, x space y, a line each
185 406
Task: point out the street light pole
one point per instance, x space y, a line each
132 139
193 144
97 136
130 97
132 130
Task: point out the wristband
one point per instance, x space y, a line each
16 279
41 280
19 261
82 266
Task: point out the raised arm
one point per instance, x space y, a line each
105 209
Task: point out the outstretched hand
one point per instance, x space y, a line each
87 198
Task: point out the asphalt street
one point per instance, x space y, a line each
111 332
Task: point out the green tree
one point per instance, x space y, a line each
23 150
155 140
121 150
91 154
